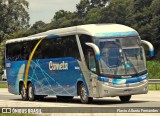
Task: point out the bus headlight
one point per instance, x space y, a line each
105 83
144 81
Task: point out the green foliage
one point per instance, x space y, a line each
98 3
94 16
38 27
65 19
3 86
154 86
13 16
153 69
82 8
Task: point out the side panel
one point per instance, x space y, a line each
15 73
55 76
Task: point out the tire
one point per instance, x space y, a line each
31 95
83 95
125 98
23 92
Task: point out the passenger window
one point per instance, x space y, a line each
19 51
48 48
58 48
71 47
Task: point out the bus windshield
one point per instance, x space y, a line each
121 56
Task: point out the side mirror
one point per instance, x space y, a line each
96 50
150 46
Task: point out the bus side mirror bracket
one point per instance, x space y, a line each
150 46
95 48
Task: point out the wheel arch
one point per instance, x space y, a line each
79 82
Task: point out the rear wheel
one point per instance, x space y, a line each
83 95
125 98
31 95
23 92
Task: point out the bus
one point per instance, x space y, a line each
90 61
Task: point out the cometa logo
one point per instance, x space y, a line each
58 66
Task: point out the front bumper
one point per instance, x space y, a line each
111 90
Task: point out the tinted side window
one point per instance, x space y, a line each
71 47
19 51
57 48
49 48
13 51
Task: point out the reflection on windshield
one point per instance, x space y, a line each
117 59
135 57
110 53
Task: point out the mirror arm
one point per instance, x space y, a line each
151 48
95 48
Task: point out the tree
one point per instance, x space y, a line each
13 16
65 19
115 12
38 26
82 8
139 15
155 21
94 16
98 3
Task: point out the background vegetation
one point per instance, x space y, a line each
142 15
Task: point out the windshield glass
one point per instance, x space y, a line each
121 56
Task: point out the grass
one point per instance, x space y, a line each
153 69
3 86
154 86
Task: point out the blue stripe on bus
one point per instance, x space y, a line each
51 36
122 80
117 34
151 53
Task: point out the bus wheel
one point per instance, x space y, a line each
31 95
83 95
23 92
125 98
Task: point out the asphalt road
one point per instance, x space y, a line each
152 100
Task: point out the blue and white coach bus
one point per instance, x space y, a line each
90 61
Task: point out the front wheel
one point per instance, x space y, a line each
125 98
83 95
31 95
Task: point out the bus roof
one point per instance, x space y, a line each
97 30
